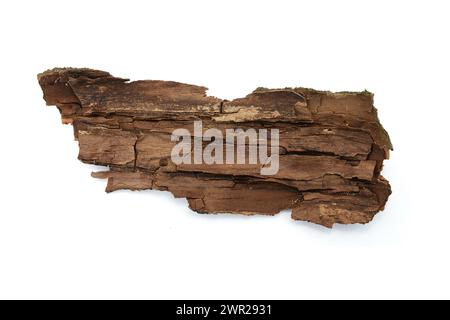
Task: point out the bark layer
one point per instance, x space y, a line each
332 145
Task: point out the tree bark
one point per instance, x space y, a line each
332 145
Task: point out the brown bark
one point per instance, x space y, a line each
332 145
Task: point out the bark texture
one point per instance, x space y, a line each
332 145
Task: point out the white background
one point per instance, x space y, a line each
62 236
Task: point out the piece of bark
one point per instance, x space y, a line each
332 145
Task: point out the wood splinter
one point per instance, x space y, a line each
317 153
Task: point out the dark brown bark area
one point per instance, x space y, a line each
332 145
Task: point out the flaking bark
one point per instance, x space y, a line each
332 145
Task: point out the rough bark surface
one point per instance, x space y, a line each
332 145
